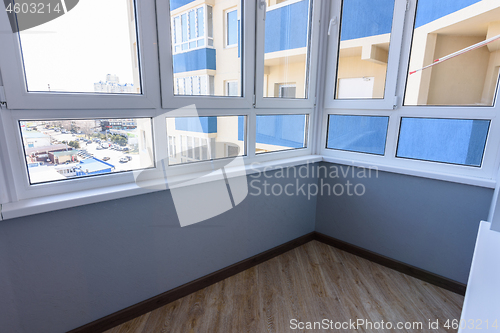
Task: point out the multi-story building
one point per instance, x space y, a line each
112 85
206 48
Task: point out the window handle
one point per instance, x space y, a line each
333 21
263 3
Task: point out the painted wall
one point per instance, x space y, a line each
363 18
355 67
447 83
63 269
199 125
174 4
430 10
426 223
287 27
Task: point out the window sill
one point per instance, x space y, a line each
454 178
80 198
67 200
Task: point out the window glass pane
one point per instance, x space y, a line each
210 25
232 88
192 24
72 54
280 132
177 30
184 27
365 36
364 134
455 53
456 141
203 54
201 22
232 28
67 149
206 138
287 48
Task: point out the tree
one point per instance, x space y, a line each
74 144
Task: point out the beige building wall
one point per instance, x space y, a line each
355 67
285 67
458 81
468 79
227 62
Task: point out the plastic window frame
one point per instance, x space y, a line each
491 155
19 98
247 55
314 37
389 100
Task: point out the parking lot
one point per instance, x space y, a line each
114 156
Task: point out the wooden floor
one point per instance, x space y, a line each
310 283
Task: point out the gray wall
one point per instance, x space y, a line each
63 269
426 223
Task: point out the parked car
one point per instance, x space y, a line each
105 158
124 160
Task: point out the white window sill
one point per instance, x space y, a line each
80 198
454 178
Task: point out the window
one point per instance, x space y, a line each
454 56
188 30
66 149
448 58
287 90
232 28
206 138
456 141
365 36
280 132
364 46
287 53
287 48
200 59
75 44
365 134
232 88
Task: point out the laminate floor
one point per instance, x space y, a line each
312 283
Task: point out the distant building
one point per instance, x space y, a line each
112 85
32 139
41 154
92 166
60 157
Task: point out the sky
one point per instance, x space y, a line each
78 49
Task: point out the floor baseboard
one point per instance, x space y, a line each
156 302
437 280
122 316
